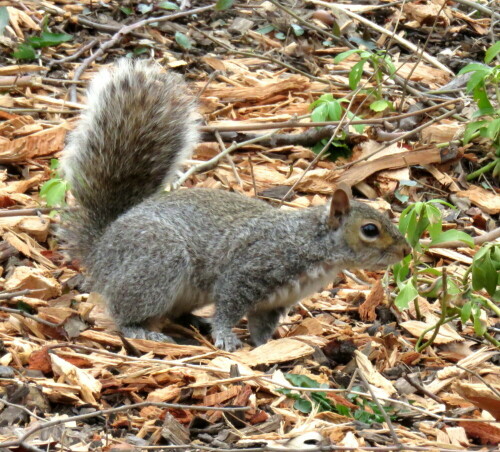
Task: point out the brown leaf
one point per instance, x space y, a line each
374 298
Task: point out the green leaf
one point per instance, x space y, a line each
302 381
477 79
302 405
168 5
407 294
492 52
474 67
47 39
356 74
342 56
465 312
380 105
280 35
490 274
472 128
4 19
481 97
297 29
266 29
54 191
478 277
451 236
126 10
182 40
334 111
493 130
357 127
479 325
403 199
144 9
320 113
24 52
222 5
342 410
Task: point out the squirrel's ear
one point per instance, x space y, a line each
339 206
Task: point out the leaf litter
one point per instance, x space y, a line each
342 371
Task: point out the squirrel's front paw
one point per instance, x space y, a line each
137 332
226 341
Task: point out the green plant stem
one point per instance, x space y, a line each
491 339
415 283
442 319
465 278
489 304
482 170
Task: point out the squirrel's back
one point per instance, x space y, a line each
137 129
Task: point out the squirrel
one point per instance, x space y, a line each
154 254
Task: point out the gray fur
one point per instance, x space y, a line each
162 255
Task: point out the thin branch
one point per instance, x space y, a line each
493 389
479 7
392 431
210 163
293 123
30 316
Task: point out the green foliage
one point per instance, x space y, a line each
380 62
168 5
183 40
486 270
222 5
367 412
327 108
484 85
27 50
458 298
420 217
126 10
54 190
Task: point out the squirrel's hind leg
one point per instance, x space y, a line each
262 323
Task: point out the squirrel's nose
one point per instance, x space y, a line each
406 250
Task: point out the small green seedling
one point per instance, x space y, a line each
28 49
54 190
381 64
367 412
459 298
484 84
327 108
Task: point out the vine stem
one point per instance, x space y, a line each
483 170
442 319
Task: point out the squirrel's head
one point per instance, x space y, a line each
372 239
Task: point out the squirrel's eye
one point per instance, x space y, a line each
370 230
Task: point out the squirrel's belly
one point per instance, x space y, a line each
189 299
307 284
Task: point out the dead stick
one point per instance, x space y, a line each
293 124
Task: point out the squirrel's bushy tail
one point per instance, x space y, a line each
137 128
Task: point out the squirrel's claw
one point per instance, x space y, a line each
228 342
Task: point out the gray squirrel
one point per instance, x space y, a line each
157 255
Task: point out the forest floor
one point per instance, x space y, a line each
406 359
